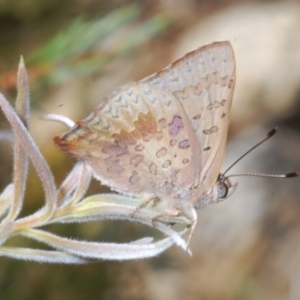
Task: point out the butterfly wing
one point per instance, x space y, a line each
203 81
165 132
138 141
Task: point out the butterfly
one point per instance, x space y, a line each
163 138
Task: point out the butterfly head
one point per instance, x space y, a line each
223 188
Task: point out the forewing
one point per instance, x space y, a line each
203 81
137 141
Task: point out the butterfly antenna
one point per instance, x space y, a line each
288 175
269 135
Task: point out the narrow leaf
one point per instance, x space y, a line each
42 256
108 251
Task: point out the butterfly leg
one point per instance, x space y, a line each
193 219
167 213
146 201
191 215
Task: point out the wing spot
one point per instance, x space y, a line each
148 94
134 178
161 152
217 104
166 99
133 96
210 106
162 123
113 166
114 149
211 130
107 109
116 169
214 129
166 164
153 168
124 137
224 80
182 95
230 84
173 142
196 90
185 161
176 125
207 148
214 105
139 147
136 160
184 144
122 101
196 117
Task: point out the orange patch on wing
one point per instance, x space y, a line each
71 141
146 127
125 137
63 145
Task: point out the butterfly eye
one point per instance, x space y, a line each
222 190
